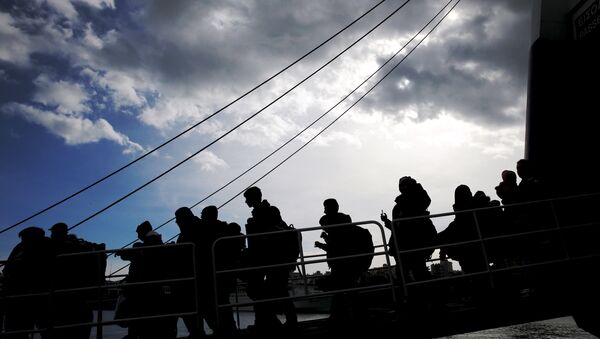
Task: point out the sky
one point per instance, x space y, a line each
87 86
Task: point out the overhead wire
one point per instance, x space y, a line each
239 124
354 104
248 92
276 150
323 115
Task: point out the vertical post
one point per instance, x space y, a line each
99 329
399 266
302 264
215 288
483 250
199 323
387 260
560 230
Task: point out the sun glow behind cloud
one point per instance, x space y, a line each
453 112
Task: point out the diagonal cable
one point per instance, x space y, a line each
192 126
343 113
319 118
238 125
354 104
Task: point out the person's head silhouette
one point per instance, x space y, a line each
405 183
330 206
143 229
209 213
59 231
184 216
253 196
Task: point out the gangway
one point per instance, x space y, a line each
554 279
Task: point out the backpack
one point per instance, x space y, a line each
290 243
363 242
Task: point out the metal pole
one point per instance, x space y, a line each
483 249
99 328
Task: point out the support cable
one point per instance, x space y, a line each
192 126
321 116
346 111
240 124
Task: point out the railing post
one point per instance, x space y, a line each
216 330
199 323
399 266
100 277
483 250
387 260
560 230
302 264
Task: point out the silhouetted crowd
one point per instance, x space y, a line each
50 283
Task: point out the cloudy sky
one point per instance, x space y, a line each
87 86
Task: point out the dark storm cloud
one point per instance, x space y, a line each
474 67
196 44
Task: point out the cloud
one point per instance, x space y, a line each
122 87
72 129
473 67
99 4
69 97
331 138
63 7
209 161
16 46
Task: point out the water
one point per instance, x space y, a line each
548 329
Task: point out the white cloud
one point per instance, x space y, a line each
74 130
170 112
265 129
91 39
98 3
124 87
209 161
330 137
64 7
16 45
69 97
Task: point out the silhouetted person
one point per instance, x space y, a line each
345 273
462 228
185 296
491 222
27 271
265 282
73 272
211 229
413 201
507 189
536 215
147 265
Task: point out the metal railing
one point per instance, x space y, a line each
52 297
303 261
559 227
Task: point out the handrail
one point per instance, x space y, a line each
302 259
310 259
103 286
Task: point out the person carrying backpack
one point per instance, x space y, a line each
267 250
343 239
